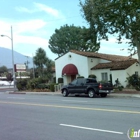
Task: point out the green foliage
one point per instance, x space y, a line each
42 86
92 76
34 83
117 17
120 88
60 80
9 77
72 38
51 87
80 77
40 60
54 79
110 78
48 72
43 64
133 81
22 84
3 69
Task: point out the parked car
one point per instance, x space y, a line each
88 86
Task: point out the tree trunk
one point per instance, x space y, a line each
138 50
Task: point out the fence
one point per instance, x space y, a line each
58 87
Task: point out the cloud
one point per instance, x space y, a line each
30 25
23 9
38 7
49 10
20 33
34 40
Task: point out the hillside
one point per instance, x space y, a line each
6 58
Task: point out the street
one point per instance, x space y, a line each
54 117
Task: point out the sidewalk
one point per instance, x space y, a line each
124 95
136 95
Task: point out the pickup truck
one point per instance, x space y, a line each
88 86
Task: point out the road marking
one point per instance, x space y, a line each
73 101
73 107
16 98
93 129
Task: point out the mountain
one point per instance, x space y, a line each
6 58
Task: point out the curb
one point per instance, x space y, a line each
17 93
125 95
59 93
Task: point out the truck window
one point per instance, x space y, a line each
80 81
74 82
91 81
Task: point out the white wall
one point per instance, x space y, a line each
121 75
98 73
132 69
103 61
91 63
81 62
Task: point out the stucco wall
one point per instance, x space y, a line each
79 61
91 63
123 74
132 69
98 73
120 75
103 61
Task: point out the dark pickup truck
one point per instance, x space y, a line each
88 86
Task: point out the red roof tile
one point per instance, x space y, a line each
118 65
108 57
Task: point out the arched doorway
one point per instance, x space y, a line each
69 73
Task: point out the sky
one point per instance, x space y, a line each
34 21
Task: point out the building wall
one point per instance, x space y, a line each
120 75
79 61
123 74
91 63
132 69
98 73
103 61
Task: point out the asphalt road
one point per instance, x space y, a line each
53 117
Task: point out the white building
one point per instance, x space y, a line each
79 63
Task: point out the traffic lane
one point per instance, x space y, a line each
28 118
122 103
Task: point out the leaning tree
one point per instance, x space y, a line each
119 17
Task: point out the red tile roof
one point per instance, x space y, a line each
108 57
118 65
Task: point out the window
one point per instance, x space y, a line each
80 81
136 72
104 76
74 82
91 81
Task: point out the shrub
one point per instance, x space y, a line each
22 84
54 79
92 76
80 77
51 87
36 83
120 88
133 81
42 86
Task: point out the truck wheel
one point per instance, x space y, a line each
103 95
91 93
65 93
